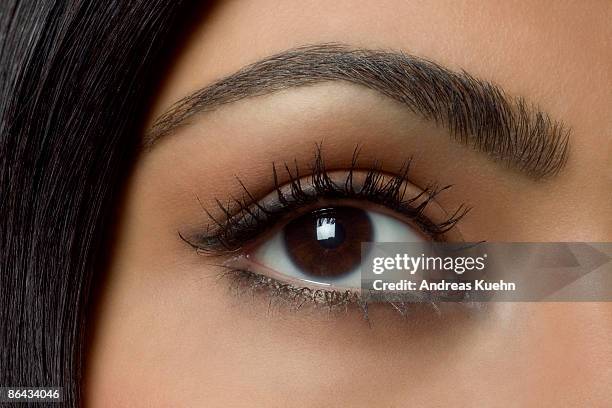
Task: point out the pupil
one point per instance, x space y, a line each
327 242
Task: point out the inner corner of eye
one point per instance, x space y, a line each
323 247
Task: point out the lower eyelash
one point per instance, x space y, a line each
294 298
293 295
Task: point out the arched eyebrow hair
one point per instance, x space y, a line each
475 112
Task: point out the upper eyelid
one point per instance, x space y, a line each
386 192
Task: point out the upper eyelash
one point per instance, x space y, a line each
247 218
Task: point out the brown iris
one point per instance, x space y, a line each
327 242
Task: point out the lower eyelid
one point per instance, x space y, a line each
285 296
291 297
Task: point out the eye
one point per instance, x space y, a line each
302 241
323 247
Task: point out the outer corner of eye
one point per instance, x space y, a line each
323 247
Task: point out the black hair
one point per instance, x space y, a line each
73 78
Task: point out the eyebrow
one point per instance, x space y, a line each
476 113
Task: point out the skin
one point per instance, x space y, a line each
169 332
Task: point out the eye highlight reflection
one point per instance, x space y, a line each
326 242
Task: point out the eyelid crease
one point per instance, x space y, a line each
244 220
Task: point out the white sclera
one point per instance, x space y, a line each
273 253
